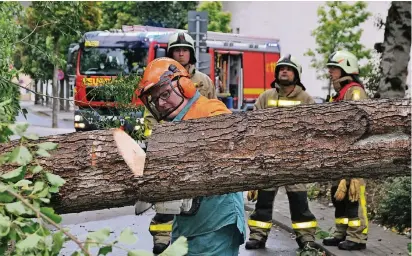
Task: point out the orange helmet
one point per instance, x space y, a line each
159 73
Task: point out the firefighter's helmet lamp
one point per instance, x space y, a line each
181 39
158 83
345 60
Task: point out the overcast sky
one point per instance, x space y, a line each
292 23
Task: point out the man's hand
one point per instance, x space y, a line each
252 195
354 190
341 191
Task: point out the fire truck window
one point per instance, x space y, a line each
112 61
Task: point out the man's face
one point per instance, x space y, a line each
167 98
334 72
286 74
181 55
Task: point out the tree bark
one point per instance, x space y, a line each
395 49
238 152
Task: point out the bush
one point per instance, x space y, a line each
394 210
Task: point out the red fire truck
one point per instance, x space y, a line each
242 67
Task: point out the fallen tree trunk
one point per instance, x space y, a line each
238 152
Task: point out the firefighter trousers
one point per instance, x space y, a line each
351 218
303 221
161 227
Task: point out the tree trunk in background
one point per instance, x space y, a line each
396 49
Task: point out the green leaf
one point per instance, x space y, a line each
127 236
47 145
104 250
24 184
4 158
49 212
19 129
43 193
36 169
3 187
21 156
55 180
30 243
76 254
5 197
99 236
17 208
178 248
15 175
45 200
38 186
54 189
31 136
139 253
43 153
58 241
4 225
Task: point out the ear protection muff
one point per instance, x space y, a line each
186 87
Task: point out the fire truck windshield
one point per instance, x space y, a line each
112 61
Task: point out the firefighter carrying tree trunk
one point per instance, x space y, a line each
348 197
180 48
287 91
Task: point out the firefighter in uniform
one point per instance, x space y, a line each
287 91
348 197
180 48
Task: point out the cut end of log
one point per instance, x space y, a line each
132 153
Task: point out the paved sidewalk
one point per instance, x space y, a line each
47 111
380 242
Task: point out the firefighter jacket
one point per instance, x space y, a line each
215 212
348 90
203 84
274 98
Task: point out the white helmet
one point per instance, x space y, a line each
345 60
289 60
181 39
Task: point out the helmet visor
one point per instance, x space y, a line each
158 98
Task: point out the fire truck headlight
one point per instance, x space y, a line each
79 125
78 118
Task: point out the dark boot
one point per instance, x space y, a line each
255 244
332 241
351 246
159 248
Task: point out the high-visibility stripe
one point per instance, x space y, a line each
354 223
363 205
147 133
283 103
309 224
343 221
161 227
259 224
254 91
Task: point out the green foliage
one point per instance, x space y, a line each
219 20
9 93
394 209
47 30
122 90
170 14
338 29
25 193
